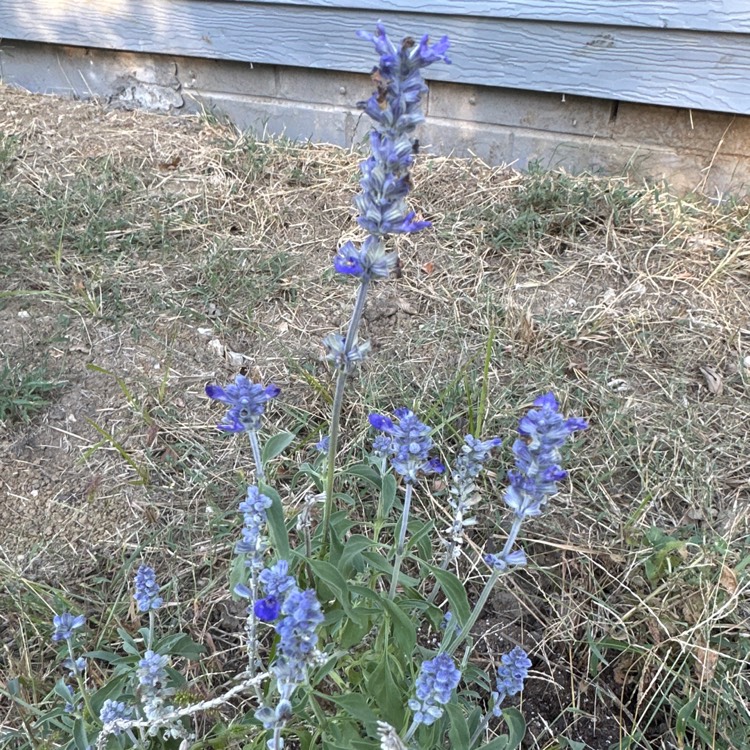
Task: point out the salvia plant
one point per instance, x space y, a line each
358 632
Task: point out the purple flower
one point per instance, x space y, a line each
147 589
65 624
343 359
254 509
323 444
267 609
395 108
367 262
277 582
114 711
534 480
76 667
408 444
152 672
502 561
247 402
437 680
511 673
297 636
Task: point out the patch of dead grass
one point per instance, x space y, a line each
170 252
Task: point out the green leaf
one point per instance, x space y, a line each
128 644
356 706
516 727
276 445
79 735
380 564
454 591
351 557
363 471
387 496
179 644
458 730
386 693
683 717
330 575
276 523
404 629
499 743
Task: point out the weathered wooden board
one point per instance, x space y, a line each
732 16
659 66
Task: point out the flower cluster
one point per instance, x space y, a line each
395 108
466 468
534 480
301 615
246 400
147 589
511 673
341 357
407 443
152 673
254 509
113 711
437 680
65 624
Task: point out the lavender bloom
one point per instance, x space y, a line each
247 402
543 432
114 711
323 444
255 513
147 589
65 624
336 352
511 674
395 108
277 582
152 673
408 445
367 262
437 680
267 609
302 615
468 465
76 667
504 561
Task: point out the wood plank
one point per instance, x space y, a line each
730 16
676 68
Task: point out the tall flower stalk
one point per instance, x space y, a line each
542 433
407 443
395 109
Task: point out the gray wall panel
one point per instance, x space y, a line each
660 66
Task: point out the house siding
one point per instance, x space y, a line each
627 94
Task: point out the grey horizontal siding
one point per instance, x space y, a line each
732 16
692 69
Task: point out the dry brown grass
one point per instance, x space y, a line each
171 252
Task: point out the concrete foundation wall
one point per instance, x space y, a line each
693 149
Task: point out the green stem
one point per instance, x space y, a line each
480 729
338 401
81 684
400 546
255 445
474 616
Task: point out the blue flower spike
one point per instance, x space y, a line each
543 432
407 443
437 680
147 590
246 401
511 674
